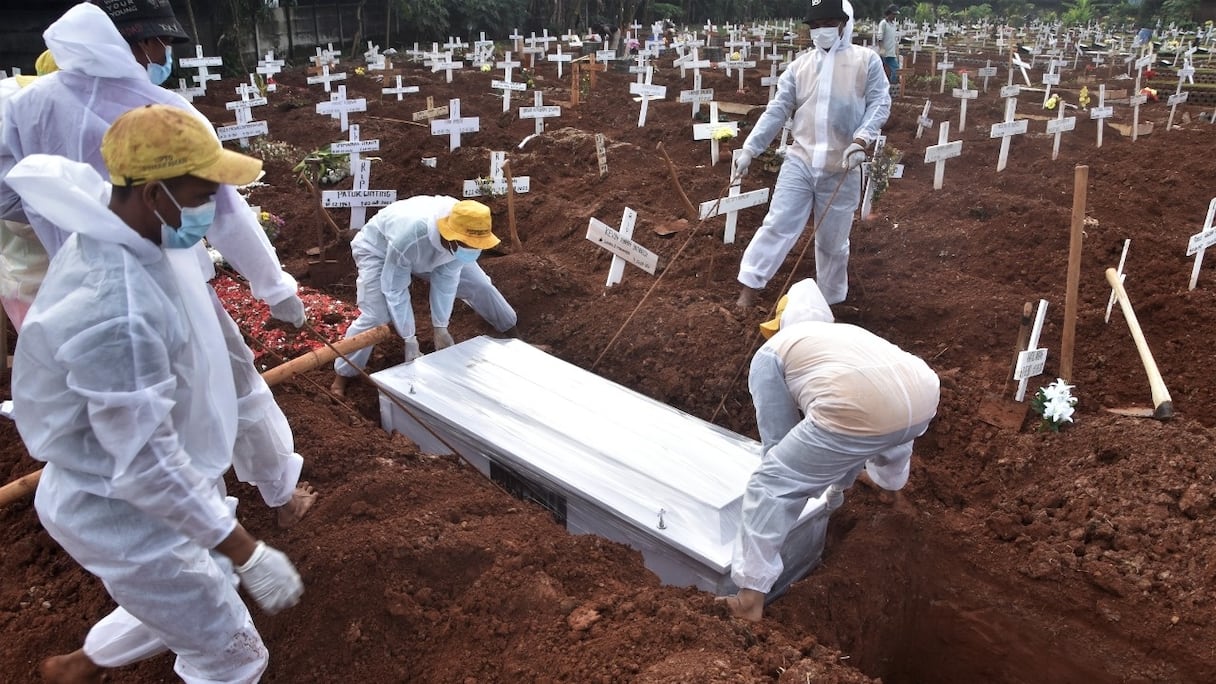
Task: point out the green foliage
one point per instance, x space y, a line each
323 167
663 10
1077 13
881 168
924 13
1180 12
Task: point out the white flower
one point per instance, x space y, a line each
1059 411
1058 389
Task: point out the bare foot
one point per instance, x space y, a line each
748 604
747 298
338 387
291 512
69 669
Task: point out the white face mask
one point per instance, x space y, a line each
824 38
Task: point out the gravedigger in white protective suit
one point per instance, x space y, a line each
436 238
123 384
831 399
838 96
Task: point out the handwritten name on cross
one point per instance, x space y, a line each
963 94
1102 112
242 131
1057 126
446 64
497 184
986 72
202 63
733 203
340 108
359 197
1200 241
326 78
1180 96
455 125
1006 130
622 246
939 153
539 111
399 90
712 129
1050 78
431 111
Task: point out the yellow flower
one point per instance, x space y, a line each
735 56
486 68
360 71
264 216
1083 97
723 134
1052 102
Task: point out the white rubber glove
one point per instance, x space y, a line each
271 579
411 348
835 497
290 310
741 163
854 155
443 339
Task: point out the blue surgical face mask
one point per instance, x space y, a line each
159 73
195 222
467 254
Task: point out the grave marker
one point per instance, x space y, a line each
923 121
945 65
646 90
621 245
454 125
1033 359
1058 125
189 92
444 63
1122 276
202 63
963 94
939 153
771 81
733 203
1102 112
507 85
399 90
244 117
1179 96
359 197
431 111
1006 130
1200 242
326 77
497 184
712 129
340 108
559 57
539 111
601 154
741 65
268 66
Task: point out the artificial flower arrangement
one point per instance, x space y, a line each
1054 404
722 134
271 223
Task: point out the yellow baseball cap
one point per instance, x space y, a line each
469 223
156 142
770 328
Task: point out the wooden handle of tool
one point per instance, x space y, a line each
1163 405
26 485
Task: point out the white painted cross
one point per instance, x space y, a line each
517 38
923 122
201 63
1016 61
963 94
1102 112
559 57
1179 96
539 111
496 182
359 197
431 111
1110 304
245 126
646 90
373 53
268 66
601 154
454 125
507 85
1058 125
1031 362
339 107
1006 129
939 153
1200 241
326 77
712 129
945 65
399 90
741 65
622 246
771 80
698 94
445 63
733 203
986 72
188 92
1050 77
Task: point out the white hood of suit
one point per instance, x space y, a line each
84 40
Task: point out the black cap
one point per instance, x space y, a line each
893 9
825 9
138 20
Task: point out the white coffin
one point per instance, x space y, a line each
604 459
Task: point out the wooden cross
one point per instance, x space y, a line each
1006 130
268 67
326 77
923 122
1199 242
945 66
622 246
340 108
245 127
445 63
939 153
1102 112
963 94
771 81
497 184
201 63
559 57
188 92
712 129
1059 125
1180 96
986 72
646 90
1138 98
399 90
539 111
454 125
359 197
431 110
733 203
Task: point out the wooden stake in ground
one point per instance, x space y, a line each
1080 190
675 180
515 243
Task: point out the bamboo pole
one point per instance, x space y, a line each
515 243
1079 192
675 179
26 485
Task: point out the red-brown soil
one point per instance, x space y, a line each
1082 556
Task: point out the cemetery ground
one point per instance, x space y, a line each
1086 555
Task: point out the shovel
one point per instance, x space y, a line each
999 411
1163 405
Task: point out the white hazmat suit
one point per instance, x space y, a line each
400 242
123 384
830 399
23 259
835 97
